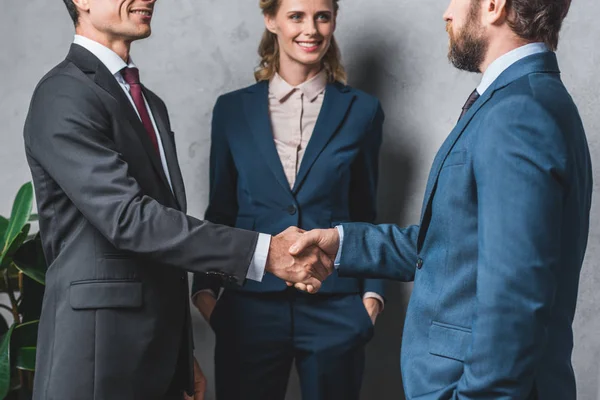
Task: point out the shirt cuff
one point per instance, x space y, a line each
338 257
373 295
259 260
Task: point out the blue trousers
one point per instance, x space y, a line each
259 335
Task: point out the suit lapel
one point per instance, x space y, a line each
542 62
103 78
447 146
336 103
168 143
256 107
438 162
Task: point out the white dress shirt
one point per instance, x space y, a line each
115 64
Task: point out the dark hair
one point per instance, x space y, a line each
72 11
538 20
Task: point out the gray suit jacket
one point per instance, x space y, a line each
115 320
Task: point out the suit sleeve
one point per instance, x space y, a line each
363 186
68 132
379 252
222 206
520 169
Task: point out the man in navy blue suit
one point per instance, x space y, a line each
497 255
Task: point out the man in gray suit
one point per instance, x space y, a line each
115 321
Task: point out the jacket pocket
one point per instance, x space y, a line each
455 158
449 341
94 294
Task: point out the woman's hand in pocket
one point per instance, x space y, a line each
199 383
205 302
373 307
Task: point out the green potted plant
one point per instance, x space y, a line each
22 271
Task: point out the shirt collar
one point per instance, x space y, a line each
502 63
109 58
311 88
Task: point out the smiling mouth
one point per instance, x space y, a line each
146 13
309 45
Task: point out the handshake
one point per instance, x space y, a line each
303 259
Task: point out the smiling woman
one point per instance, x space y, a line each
302 32
298 148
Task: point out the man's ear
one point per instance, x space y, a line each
82 5
495 12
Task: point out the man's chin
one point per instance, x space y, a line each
465 59
143 34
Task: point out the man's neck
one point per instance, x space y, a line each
498 48
119 46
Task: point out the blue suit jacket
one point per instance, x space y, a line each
336 181
497 255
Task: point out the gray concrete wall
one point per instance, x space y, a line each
395 49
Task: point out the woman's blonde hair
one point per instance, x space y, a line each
268 50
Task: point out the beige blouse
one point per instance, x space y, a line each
294 111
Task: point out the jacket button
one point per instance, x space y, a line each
292 209
419 263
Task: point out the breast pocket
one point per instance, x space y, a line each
458 157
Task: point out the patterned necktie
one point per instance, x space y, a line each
132 77
470 101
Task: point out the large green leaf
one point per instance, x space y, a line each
23 342
25 358
19 216
3 226
5 362
6 257
29 259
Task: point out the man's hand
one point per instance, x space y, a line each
328 240
205 303
199 384
373 307
309 266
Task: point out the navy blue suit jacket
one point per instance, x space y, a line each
497 255
336 182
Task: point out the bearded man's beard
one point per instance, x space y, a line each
468 47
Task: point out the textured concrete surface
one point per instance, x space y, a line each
395 49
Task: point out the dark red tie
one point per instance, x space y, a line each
470 101
132 77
